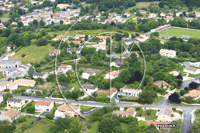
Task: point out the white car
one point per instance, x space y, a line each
192 121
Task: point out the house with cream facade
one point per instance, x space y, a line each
8 85
129 92
43 106
86 74
63 68
165 114
67 110
168 53
25 82
13 102
89 88
112 75
10 115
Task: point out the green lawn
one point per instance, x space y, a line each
132 16
197 112
152 115
179 32
76 85
34 53
158 99
94 127
140 5
1 75
86 108
40 127
5 15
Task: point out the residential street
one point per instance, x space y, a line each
163 104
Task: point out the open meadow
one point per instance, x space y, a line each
179 32
33 53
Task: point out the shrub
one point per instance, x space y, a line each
174 109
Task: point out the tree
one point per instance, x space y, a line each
86 37
182 92
188 99
117 130
49 116
61 21
31 71
125 76
39 81
186 89
147 96
74 94
42 42
6 96
35 22
193 85
141 126
20 24
113 102
152 129
51 78
174 97
107 125
63 80
196 127
30 109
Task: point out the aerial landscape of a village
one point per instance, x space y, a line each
99 66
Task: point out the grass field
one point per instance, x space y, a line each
34 53
152 116
1 75
94 127
5 15
86 108
179 32
40 127
158 99
140 5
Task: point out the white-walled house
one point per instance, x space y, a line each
86 74
100 46
63 68
43 106
129 92
191 70
8 85
89 88
197 14
117 63
13 102
67 110
129 112
110 93
112 75
168 53
25 82
196 64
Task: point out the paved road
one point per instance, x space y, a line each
48 63
163 104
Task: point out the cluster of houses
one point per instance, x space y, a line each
48 16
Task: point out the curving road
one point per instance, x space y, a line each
163 104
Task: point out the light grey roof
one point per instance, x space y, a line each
89 86
165 111
38 74
189 68
9 62
14 100
10 69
